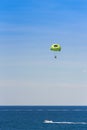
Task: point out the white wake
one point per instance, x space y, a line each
64 122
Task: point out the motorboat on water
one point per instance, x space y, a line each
48 121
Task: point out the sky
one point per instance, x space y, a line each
29 74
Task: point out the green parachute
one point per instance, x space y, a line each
55 47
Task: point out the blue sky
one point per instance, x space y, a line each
29 74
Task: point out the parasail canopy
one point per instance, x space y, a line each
55 47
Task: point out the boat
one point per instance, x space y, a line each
48 121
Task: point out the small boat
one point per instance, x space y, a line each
48 121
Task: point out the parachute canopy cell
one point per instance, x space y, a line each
55 47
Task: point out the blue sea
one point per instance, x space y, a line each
43 117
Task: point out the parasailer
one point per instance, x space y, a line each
55 47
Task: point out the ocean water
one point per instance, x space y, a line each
43 117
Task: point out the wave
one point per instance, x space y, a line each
58 110
42 109
39 110
67 110
65 122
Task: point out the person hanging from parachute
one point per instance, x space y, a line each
55 47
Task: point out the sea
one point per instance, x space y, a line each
43 117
